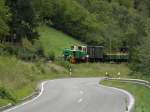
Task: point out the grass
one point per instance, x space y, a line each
100 69
4 102
54 40
141 94
20 78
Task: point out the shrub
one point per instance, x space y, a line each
50 55
63 63
39 51
5 94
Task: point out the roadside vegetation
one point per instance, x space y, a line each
140 93
19 79
33 34
99 70
124 24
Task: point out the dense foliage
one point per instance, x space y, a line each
4 18
23 20
116 24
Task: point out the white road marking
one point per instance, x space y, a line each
130 105
41 92
130 96
80 100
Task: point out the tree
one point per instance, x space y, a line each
141 62
23 20
4 18
44 9
141 54
72 18
126 3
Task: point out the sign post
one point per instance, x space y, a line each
107 75
119 75
70 70
126 104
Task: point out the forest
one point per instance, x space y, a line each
123 23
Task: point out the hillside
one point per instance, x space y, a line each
55 41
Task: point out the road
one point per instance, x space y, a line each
75 95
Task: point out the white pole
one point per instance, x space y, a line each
70 71
119 75
126 104
110 48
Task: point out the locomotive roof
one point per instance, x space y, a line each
95 46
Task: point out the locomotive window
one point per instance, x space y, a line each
72 47
80 48
84 49
74 53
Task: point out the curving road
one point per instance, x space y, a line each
75 95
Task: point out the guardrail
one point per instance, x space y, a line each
136 81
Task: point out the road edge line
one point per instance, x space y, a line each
131 102
41 89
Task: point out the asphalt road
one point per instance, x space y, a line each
75 95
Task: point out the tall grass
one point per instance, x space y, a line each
20 78
100 69
54 40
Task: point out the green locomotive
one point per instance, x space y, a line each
93 54
76 54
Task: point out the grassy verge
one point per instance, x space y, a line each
19 79
141 94
99 69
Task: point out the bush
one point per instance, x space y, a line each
63 63
25 54
50 55
39 51
5 94
141 59
27 51
8 49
